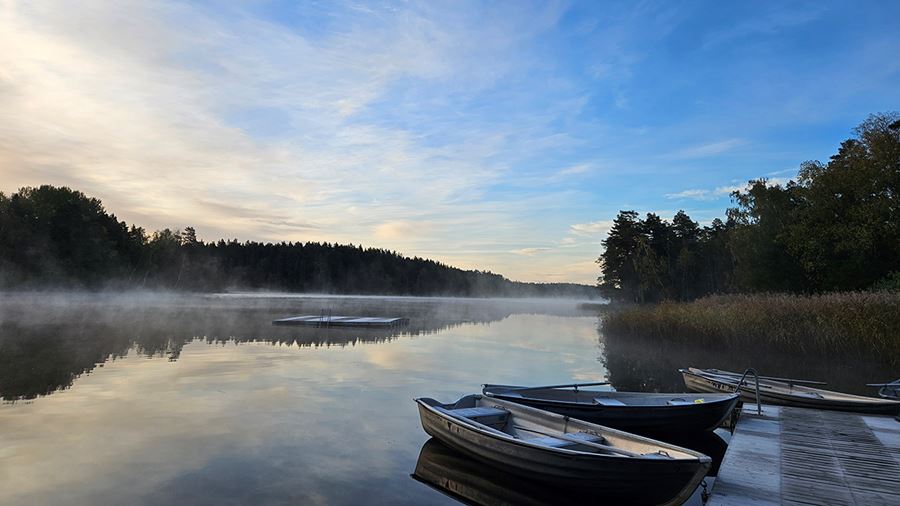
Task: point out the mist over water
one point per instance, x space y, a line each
144 398
149 398
49 339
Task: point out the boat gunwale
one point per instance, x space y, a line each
509 438
726 398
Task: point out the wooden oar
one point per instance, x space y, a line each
611 449
546 387
772 378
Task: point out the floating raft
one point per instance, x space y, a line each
341 321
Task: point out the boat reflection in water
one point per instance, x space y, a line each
472 482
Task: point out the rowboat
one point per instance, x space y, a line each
565 451
638 412
888 390
472 481
785 392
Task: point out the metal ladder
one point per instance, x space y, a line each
737 389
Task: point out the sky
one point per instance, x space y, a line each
501 136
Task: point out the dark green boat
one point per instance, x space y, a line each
636 412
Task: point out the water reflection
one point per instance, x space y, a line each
645 365
473 482
200 400
240 415
47 342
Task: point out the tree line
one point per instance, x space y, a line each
58 237
836 227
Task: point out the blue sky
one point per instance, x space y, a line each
502 136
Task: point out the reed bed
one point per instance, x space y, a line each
865 324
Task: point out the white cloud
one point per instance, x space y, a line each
429 129
393 230
594 228
580 168
530 251
689 194
721 191
707 149
775 181
151 108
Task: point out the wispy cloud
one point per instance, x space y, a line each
585 236
530 251
591 229
394 230
689 194
707 149
154 109
721 191
581 168
704 194
781 17
463 131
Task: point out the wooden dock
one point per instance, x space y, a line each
802 456
341 321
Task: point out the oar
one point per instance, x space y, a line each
611 449
895 383
543 387
783 380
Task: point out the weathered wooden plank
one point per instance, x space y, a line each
855 467
802 456
750 471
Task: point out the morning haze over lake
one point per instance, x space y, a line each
271 252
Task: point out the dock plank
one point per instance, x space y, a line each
797 456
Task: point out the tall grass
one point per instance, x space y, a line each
855 323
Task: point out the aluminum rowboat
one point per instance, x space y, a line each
565 451
888 390
784 393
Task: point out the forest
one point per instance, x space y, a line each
835 228
58 238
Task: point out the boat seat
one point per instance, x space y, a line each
550 441
492 417
606 401
562 443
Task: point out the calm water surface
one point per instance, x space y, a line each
154 399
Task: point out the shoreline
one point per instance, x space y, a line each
860 323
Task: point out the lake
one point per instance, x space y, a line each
156 398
